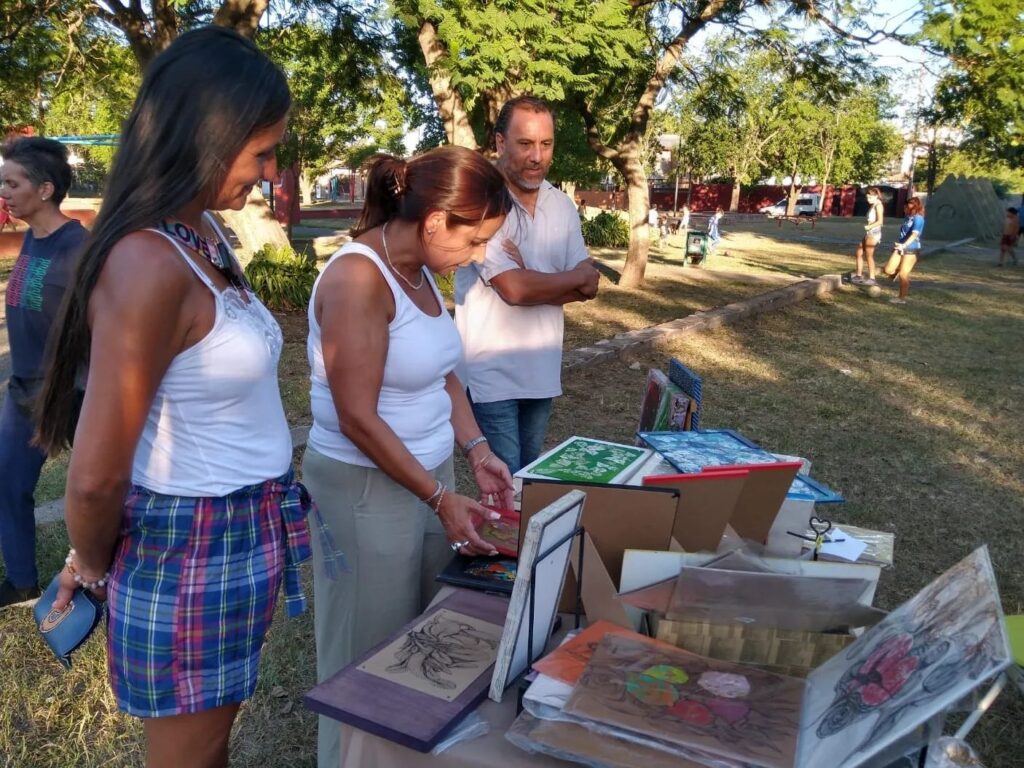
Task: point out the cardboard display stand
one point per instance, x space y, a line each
707 502
764 492
615 518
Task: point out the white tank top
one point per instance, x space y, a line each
217 423
422 351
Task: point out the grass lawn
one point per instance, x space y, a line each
912 412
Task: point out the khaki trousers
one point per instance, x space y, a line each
394 545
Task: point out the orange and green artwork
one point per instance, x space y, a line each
700 706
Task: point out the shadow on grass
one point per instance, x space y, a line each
912 412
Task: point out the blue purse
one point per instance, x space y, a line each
65 630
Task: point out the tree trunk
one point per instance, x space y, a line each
255 226
734 197
243 16
449 104
791 200
628 163
306 187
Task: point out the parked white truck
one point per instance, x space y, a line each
807 204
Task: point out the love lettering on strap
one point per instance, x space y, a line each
214 251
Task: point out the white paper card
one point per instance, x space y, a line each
850 549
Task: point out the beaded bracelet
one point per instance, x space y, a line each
69 561
439 489
440 498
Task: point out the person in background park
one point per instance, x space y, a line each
34 179
5 215
684 221
713 234
1011 233
906 248
581 207
652 221
387 405
872 236
181 506
508 309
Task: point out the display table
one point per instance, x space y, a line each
360 749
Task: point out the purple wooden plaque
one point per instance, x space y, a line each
395 712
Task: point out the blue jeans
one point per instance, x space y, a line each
21 464
514 429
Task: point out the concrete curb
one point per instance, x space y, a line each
606 349
925 252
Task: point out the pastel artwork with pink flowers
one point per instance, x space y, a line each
707 709
920 660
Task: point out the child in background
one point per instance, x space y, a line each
906 249
1011 231
713 234
872 236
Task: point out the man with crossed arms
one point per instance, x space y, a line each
509 309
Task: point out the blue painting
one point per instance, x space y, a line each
691 452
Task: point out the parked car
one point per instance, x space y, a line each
808 204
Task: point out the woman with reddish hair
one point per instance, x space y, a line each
387 406
906 248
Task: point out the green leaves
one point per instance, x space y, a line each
282 278
983 91
606 230
347 99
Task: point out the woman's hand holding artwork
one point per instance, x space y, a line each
456 513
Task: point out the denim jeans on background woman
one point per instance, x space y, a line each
514 429
21 463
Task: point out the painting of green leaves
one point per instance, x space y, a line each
588 461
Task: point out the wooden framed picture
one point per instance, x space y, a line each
420 682
543 561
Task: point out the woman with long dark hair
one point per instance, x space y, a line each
34 179
387 406
180 505
906 248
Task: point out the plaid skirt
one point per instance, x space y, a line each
192 593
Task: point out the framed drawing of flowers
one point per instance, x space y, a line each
919 661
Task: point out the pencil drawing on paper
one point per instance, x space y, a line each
441 656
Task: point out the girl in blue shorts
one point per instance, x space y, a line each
906 249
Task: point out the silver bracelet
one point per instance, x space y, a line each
473 444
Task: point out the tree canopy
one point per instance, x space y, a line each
983 90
